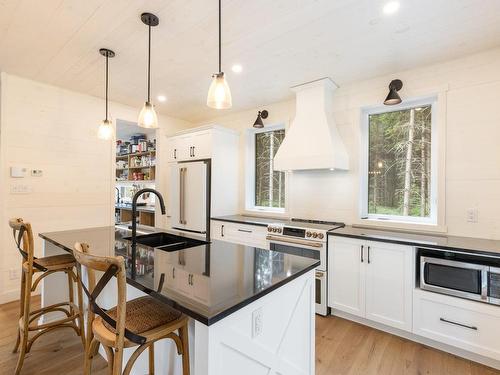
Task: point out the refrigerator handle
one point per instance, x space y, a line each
181 195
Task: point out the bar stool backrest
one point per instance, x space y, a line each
23 237
112 267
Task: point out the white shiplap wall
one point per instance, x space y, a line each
55 130
469 90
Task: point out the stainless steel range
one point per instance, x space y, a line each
306 238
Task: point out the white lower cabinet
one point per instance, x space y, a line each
346 276
389 284
468 325
372 280
244 234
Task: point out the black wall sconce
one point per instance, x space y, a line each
258 122
393 96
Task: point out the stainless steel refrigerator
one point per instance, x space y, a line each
189 196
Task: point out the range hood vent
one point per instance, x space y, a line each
312 140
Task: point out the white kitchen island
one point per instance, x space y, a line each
252 310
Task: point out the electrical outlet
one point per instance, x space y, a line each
13 274
257 322
472 215
20 189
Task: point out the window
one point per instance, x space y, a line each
399 181
266 187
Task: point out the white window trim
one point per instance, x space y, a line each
250 174
397 220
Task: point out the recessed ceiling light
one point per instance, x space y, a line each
391 7
237 68
161 98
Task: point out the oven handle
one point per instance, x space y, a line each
297 242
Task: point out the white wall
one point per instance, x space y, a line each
469 120
55 130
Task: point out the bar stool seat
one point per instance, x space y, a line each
145 316
53 263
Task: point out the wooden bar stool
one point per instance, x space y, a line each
139 322
31 266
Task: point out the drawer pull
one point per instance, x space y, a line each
362 250
244 230
458 324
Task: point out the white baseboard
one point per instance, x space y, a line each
421 340
9 296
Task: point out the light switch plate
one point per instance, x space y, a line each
18 172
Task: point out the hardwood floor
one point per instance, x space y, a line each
342 347
345 347
57 352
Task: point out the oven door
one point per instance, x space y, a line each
460 279
304 248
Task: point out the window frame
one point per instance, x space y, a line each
434 193
250 172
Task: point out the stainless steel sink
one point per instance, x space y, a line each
166 241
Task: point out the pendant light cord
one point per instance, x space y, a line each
220 38
107 57
149 65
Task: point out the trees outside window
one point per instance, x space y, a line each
269 184
399 181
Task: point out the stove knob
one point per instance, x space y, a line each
320 236
269 229
275 230
315 235
308 234
279 230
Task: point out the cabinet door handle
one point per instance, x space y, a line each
368 254
458 324
222 231
244 230
194 148
362 250
175 153
173 273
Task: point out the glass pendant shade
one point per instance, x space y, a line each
219 94
105 131
147 117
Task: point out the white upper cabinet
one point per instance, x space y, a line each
192 146
373 280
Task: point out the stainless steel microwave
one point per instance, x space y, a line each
463 275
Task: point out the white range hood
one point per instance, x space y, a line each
312 140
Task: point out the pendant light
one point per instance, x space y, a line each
105 131
259 124
393 96
147 117
219 94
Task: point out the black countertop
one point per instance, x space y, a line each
468 244
227 276
251 220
